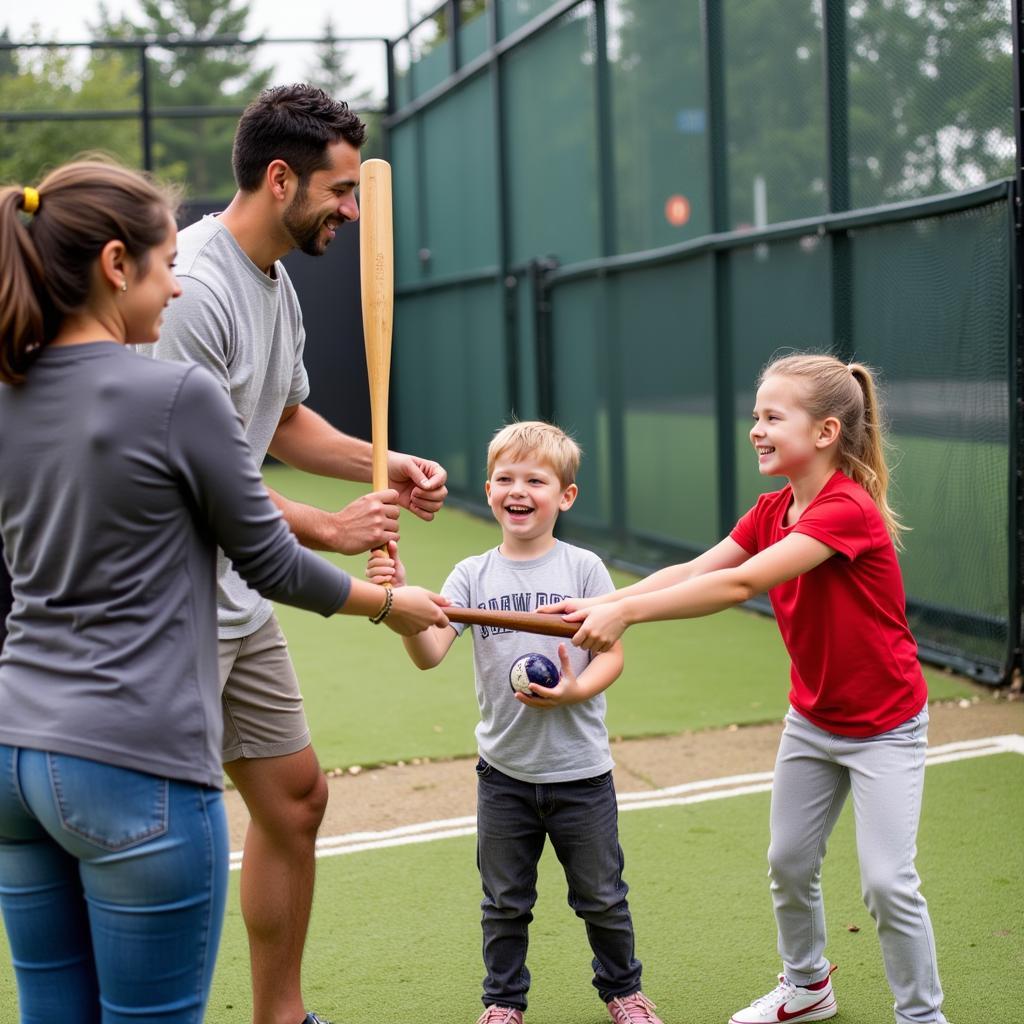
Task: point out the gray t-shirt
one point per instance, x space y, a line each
119 477
562 744
246 328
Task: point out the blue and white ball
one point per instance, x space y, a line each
532 668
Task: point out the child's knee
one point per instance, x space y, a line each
886 887
788 865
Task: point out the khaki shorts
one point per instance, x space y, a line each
263 715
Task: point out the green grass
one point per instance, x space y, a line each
395 933
366 703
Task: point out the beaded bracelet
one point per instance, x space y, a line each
385 608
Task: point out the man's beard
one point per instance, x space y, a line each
304 227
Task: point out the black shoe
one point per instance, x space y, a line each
312 1018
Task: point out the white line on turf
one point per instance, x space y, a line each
671 796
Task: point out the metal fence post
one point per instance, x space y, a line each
610 342
837 112
1015 604
718 187
147 123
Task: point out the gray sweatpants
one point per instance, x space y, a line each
814 772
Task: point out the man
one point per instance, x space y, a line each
296 163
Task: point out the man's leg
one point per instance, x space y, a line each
269 759
286 797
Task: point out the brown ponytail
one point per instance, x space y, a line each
48 255
847 392
21 284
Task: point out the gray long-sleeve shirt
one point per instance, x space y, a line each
119 478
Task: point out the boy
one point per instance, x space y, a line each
545 764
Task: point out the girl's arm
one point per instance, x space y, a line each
701 595
602 671
724 555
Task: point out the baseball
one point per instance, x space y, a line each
532 668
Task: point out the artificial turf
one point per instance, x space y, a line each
395 933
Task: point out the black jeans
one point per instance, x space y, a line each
581 817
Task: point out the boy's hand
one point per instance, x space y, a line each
547 697
386 568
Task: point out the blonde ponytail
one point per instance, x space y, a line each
847 392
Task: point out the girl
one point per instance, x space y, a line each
824 549
119 478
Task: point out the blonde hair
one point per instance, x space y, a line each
548 443
846 391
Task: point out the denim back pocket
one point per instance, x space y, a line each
110 807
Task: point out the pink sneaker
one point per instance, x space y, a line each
501 1015
789 1002
633 1009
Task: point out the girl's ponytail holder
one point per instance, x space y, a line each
30 200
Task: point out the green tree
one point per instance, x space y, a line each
930 96
196 149
64 79
330 72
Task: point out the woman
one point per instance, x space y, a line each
119 478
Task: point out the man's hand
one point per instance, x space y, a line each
368 522
420 484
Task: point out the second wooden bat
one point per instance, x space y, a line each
523 622
377 281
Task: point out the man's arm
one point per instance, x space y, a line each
305 440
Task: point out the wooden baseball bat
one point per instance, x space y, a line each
523 622
377 281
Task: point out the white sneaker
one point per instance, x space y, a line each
791 1002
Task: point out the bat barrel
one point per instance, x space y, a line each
377 285
523 622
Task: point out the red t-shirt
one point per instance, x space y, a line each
855 669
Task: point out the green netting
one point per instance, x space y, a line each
552 156
774 108
474 35
930 309
514 13
461 216
664 341
403 83
527 405
405 202
581 374
762 326
449 386
431 57
656 65
931 97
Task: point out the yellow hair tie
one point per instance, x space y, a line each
30 203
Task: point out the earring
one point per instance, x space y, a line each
124 286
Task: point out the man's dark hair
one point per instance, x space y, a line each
294 123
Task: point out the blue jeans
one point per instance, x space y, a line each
581 817
112 886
